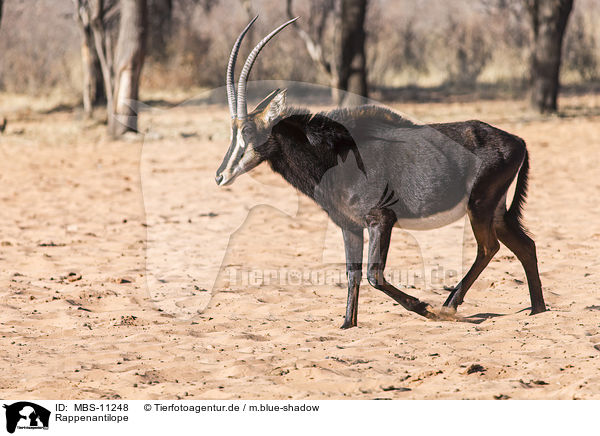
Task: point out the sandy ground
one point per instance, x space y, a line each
82 317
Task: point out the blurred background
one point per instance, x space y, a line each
93 53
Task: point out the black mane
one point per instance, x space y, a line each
319 140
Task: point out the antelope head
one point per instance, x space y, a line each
248 130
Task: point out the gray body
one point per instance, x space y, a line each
415 171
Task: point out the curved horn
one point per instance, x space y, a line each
242 110
231 68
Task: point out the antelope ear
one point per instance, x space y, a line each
272 106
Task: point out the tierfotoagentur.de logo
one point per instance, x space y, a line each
24 415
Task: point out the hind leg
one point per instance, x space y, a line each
516 240
487 246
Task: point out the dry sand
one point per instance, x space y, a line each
72 203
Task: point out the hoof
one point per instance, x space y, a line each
347 325
536 311
447 310
424 309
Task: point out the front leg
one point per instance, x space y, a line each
353 244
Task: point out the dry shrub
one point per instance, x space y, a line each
39 47
424 43
434 43
580 47
396 50
466 49
197 48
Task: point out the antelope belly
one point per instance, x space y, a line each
435 220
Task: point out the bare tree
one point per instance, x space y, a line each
93 90
549 20
121 71
353 70
314 38
129 59
2 119
345 66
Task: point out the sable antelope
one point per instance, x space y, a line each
368 167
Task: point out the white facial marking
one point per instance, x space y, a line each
240 139
239 148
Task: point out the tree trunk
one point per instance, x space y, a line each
352 70
93 90
549 21
160 26
103 48
129 59
98 96
2 119
121 72
86 63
